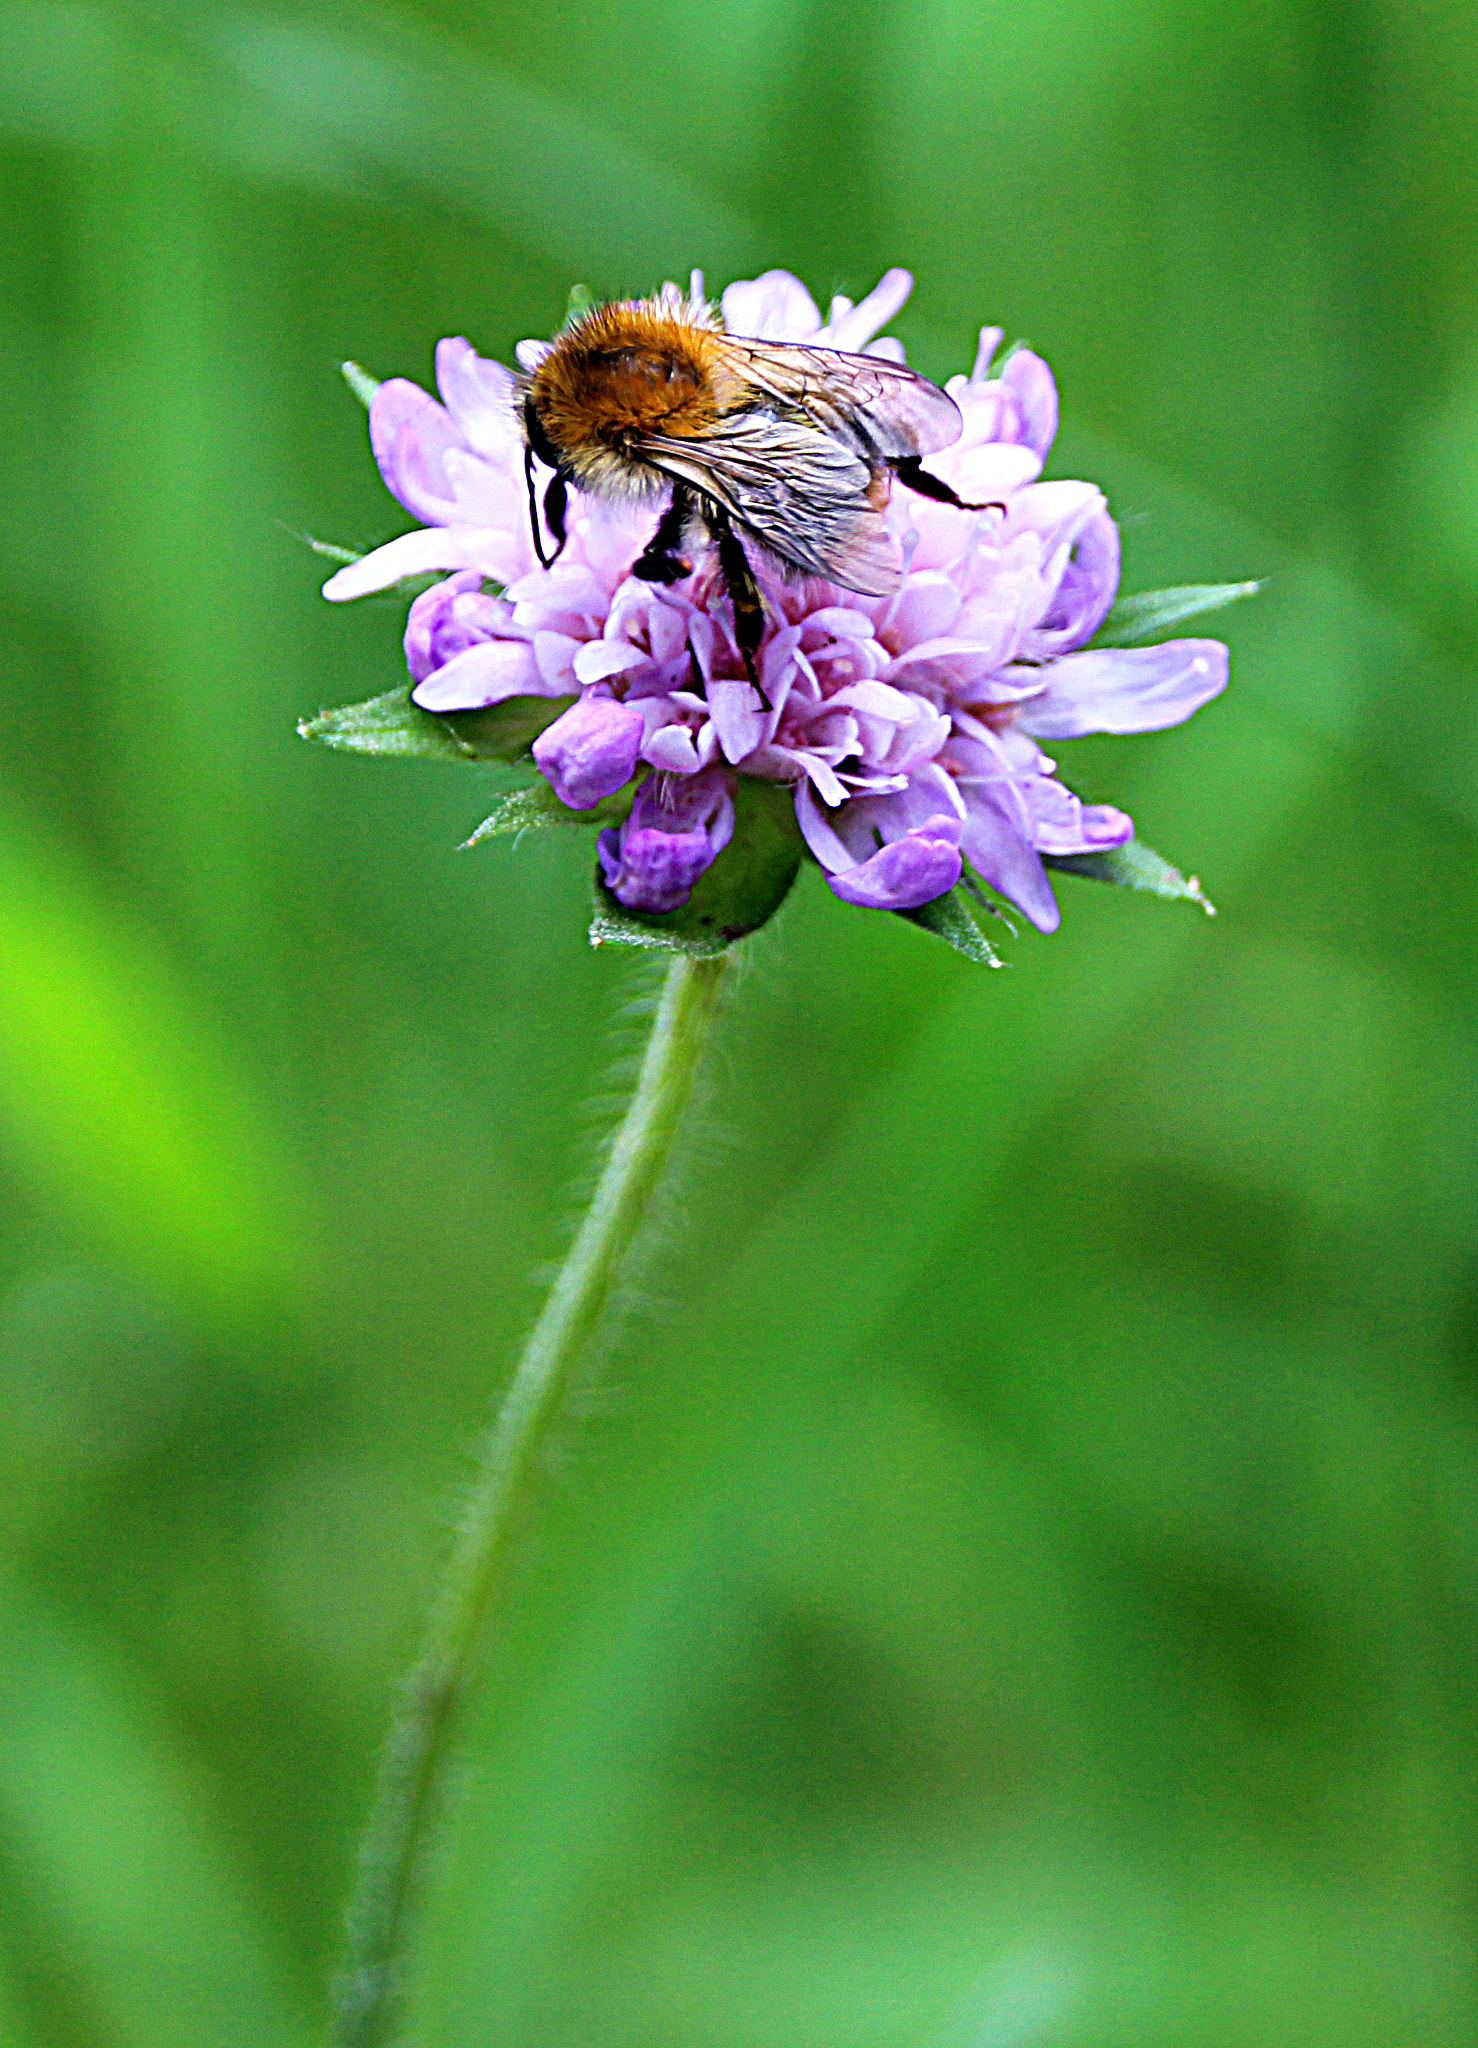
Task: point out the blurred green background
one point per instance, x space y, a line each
1014 1583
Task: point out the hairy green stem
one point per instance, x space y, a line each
367 1995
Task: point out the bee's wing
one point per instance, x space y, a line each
799 489
888 410
797 451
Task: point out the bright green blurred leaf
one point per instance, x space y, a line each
130 1879
119 1095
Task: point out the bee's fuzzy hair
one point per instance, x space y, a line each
621 372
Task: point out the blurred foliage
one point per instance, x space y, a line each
1013 1582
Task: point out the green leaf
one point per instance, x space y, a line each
127 1861
392 724
1134 620
120 1098
535 806
743 889
955 918
360 382
1134 866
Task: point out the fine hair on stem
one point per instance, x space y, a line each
403 1821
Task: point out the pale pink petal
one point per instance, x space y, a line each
479 395
819 832
482 675
598 660
925 608
673 748
996 845
411 436
739 716
773 307
1032 385
1127 689
411 554
860 323
879 700
555 653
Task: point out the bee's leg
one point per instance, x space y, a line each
749 609
538 537
909 470
556 500
662 559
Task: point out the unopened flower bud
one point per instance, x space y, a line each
590 750
678 827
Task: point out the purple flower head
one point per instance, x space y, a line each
678 827
908 726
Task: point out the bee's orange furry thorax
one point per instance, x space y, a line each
625 372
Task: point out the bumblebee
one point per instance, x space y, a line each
789 448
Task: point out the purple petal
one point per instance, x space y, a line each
923 864
985 352
851 329
449 618
1126 689
1032 385
774 307
738 714
654 871
479 395
1061 823
590 751
412 436
482 675
410 554
997 847
678 827
1083 597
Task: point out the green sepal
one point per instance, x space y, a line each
535 806
581 301
742 890
330 549
360 382
955 918
392 724
1135 620
1134 866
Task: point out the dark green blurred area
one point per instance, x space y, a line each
1013 1582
